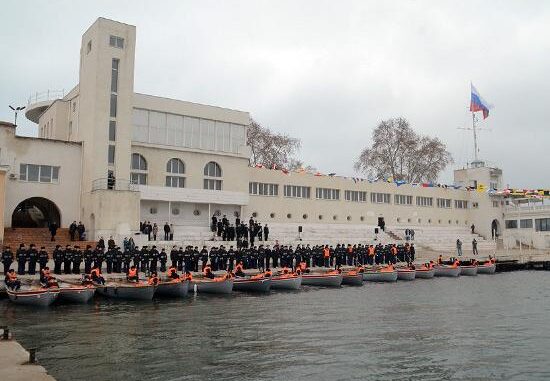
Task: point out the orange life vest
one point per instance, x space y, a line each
153 280
95 272
12 276
132 273
326 252
208 270
268 273
394 250
371 251
303 266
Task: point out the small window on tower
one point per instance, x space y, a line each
89 47
116 42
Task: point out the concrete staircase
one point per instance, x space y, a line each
40 237
443 239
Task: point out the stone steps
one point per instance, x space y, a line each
40 237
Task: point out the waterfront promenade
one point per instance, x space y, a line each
14 362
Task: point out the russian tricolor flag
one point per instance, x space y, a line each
477 103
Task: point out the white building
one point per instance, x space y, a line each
110 157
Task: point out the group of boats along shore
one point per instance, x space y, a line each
176 286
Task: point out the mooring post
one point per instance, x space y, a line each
32 355
6 332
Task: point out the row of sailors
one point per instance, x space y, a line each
70 259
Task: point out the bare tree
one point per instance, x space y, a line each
401 153
298 165
270 148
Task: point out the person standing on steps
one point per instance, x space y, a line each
474 247
459 247
53 231
7 259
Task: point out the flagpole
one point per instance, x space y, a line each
475 135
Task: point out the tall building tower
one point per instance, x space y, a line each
104 125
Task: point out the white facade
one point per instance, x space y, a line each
125 157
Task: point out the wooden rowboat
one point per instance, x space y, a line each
176 288
322 279
32 296
447 271
216 286
127 290
286 282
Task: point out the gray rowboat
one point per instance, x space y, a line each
39 297
252 284
447 271
286 282
353 279
325 280
173 289
214 287
380 276
425 273
468 270
488 268
406 274
130 291
76 293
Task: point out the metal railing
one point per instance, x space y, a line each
114 184
45 96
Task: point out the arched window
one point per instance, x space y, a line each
212 176
174 168
212 169
138 175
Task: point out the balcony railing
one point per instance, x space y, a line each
46 96
114 184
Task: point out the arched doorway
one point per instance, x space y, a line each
35 212
495 229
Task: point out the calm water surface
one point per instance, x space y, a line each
480 328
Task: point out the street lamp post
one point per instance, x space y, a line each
16 111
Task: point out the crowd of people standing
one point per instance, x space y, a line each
73 260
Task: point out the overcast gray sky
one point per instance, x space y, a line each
323 71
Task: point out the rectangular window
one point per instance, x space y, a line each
212 184
495 204
327 194
175 181
296 191
138 178
526 224
111 155
116 42
380 198
355 196
461 204
114 76
511 224
401 199
444 203
542 224
23 172
424 201
113 106
112 131
45 174
263 189
38 173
